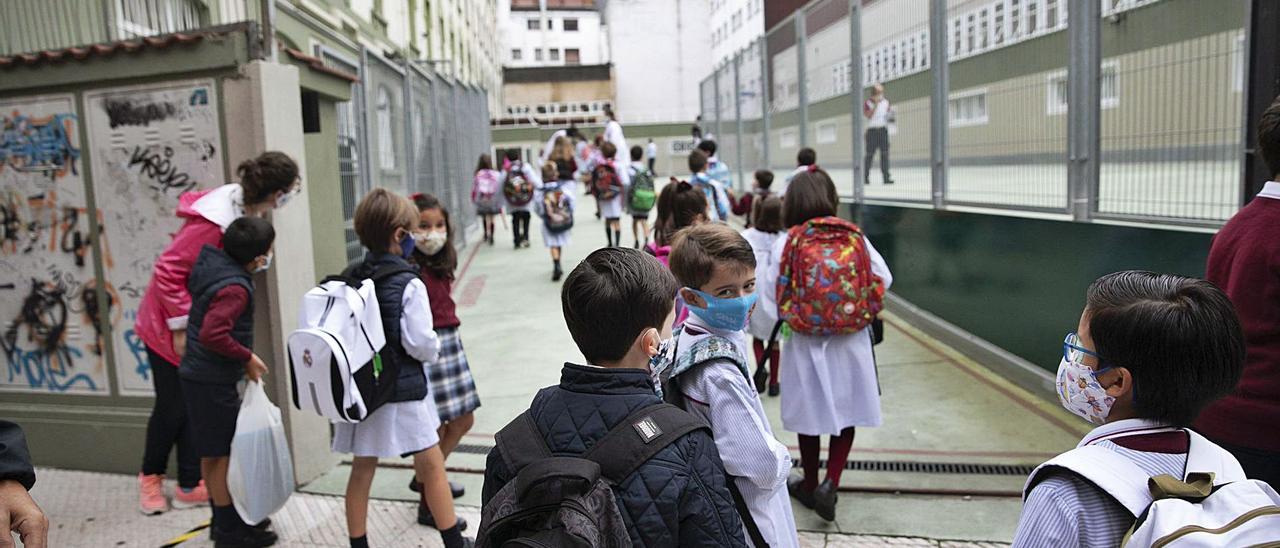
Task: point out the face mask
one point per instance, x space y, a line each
659 363
725 314
430 243
406 245
284 198
265 264
1080 393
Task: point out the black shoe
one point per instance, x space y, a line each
824 500
455 488
636 245
555 274
795 486
773 390
425 518
889 182
216 532
242 537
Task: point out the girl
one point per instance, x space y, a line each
679 206
266 182
557 197
831 380
450 376
768 228
408 423
610 206
485 194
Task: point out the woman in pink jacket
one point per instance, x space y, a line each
266 182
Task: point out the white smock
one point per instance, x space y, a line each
765 315
570 189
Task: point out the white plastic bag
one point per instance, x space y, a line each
260 475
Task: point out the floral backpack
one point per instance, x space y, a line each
825 283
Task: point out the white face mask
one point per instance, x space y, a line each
265 264
1080 393
430 243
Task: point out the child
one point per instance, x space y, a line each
640 179
484 194
763 236
408 423
617 305
451 382
679 205
520 212
831 379
219 352
806 159
716 267
744 207
556 201
607 184
1150 351
716 169
713 188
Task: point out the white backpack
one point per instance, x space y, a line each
333 355
1212 505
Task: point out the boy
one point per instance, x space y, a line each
640 178
520 213
1150 351
716 169
804 159
219 352
761 181
717 199
617 305
716 269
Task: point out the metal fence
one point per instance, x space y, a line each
1101 109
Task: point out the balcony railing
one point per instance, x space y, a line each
35 25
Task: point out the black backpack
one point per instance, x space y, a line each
569 501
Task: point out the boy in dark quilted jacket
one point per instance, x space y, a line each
618 307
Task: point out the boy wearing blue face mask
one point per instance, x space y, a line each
705 372
1151 350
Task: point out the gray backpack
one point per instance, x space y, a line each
568 501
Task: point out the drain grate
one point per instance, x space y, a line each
872 465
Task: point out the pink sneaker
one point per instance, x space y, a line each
151 494
197 496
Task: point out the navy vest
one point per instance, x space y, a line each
411 380
213 271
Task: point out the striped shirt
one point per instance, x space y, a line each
1066 510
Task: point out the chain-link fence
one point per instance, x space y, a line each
1149 91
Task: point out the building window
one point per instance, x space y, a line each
572 56
968 108
537 54
550 24
553 54
1057 94
535 24
570 25
517 54
825 133
386 134
788 139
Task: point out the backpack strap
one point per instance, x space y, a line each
1205 456
520 443
1107 470
639 437
386 271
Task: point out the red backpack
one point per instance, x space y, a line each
605 181
825 283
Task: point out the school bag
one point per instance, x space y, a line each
1212 505
642 197
605 182
712 193
517 190
557 216
334 359
487 191
569 501
825 284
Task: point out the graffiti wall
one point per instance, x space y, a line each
148 145
48 300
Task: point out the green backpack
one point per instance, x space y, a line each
642 194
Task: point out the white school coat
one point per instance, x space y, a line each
830 381
765 315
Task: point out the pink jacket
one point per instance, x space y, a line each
165 304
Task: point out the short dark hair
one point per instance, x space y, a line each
766 214
637 152
806 157
708 146
1179 338
1269 137
613 296
248 238
609 150
513 154
697 161
810 195
698 249
265 175
764 177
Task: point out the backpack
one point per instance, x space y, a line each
1213 505
557 216
517 190
825 283
569 501
334 359
642 196
604 180
713 195
487 191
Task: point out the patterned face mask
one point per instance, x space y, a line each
1080 393
661 362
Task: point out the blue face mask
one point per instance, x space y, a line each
406 245
726 314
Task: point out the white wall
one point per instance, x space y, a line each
734 24
589 39
661 50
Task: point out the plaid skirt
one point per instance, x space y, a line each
451 382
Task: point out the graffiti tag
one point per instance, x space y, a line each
159 166
38 145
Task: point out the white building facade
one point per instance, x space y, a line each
734 25
661 49
539 33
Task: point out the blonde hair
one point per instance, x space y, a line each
378 216
562 151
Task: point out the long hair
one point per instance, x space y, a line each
562 151
445 262
484 163
679 205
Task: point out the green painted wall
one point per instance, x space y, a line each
1018 283
324 194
